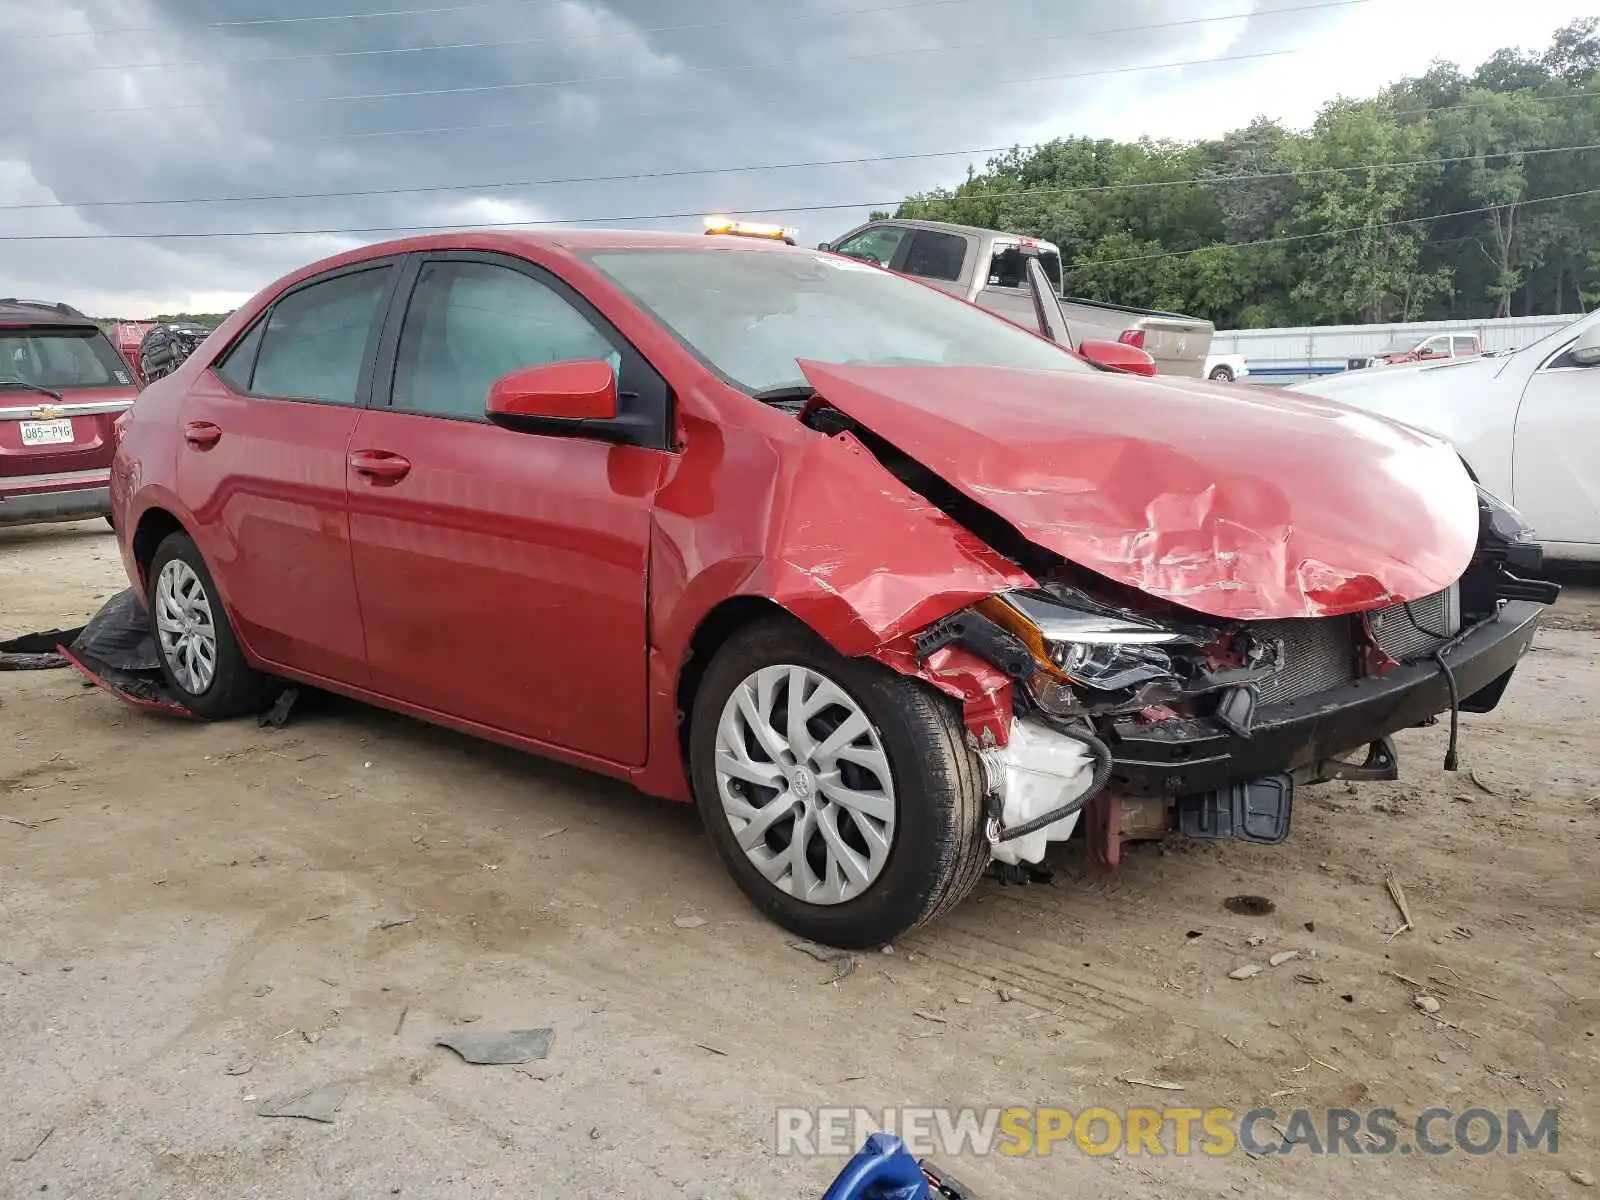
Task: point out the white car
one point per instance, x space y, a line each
1527 424
1225 368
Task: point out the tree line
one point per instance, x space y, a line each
1438 198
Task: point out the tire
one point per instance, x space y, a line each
937 850
233 688
1222 374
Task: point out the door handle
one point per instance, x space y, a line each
202 434
379 466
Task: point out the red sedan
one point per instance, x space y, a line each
890 587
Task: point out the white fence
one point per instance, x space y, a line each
1281 355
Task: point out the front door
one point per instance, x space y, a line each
1556 452
262 468
502 575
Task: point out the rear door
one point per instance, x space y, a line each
61 441
944 260
502 574
262 468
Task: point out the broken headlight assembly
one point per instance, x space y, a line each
1073 659
1124 660
1076 657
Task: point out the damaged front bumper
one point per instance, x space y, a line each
1184 757
1210 778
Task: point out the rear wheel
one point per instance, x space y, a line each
1222 374
842 796
200 656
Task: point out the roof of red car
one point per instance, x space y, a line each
520 241
41 312
575 240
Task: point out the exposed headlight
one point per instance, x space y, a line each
1075 648
1500 518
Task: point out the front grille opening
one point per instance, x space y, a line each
1319 653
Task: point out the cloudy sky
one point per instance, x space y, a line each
139 100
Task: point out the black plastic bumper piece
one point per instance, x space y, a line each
1193 757
1257 810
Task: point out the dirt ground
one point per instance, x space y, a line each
182 902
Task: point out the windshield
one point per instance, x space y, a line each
1400 346
59 358
751 315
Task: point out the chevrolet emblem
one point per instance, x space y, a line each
48 412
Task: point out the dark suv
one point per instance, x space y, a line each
61 387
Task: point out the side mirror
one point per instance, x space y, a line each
554 398
824 246
1586 350
1117 356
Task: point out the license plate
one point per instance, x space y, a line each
47 433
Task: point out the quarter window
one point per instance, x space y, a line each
469 323
315 340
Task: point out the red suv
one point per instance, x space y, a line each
61 387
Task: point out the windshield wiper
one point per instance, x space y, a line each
32 387
784 392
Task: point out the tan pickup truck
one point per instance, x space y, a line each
988 268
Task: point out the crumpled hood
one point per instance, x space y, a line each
1236 502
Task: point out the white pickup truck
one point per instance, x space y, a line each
987 268
1225 368
1527 424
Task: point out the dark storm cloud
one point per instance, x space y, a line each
604 87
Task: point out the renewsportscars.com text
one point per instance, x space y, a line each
1211 1132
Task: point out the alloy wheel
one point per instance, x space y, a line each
186 626
805 784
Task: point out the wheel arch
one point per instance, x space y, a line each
724 619
155 525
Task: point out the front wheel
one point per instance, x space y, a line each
1222 374
842 796
200 656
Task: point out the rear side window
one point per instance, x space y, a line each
314 342
1466 345
59 358
469 323
936 255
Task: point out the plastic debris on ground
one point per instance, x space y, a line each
315 1104
495 1048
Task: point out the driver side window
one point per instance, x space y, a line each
877 244
469 323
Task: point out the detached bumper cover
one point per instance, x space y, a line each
1183 757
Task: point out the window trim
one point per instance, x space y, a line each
369 356
634 362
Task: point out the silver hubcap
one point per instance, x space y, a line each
185 626
805 784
